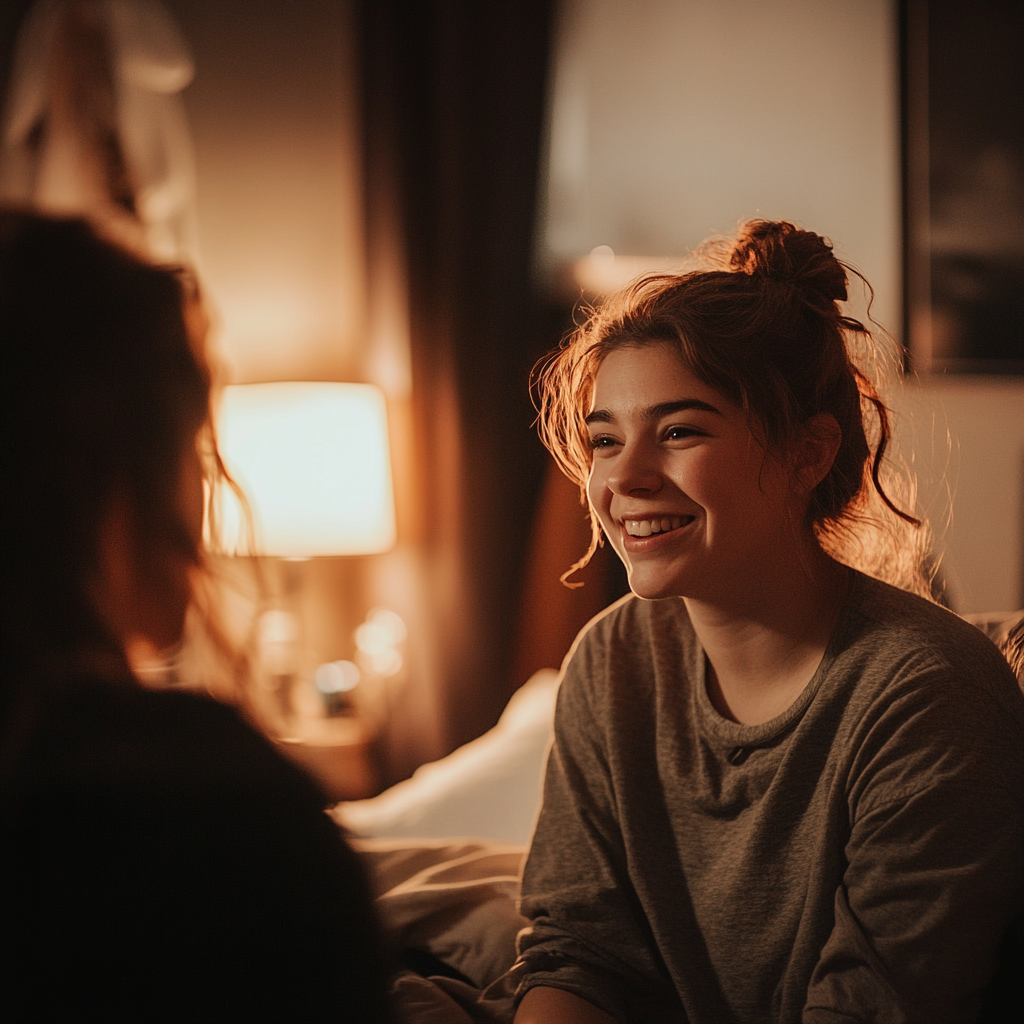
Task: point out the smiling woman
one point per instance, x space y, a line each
760 327
778 789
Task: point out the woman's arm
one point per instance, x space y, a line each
588 934
555 1006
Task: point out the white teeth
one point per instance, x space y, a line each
645 527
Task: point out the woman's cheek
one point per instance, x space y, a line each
599 496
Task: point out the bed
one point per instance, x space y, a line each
444 851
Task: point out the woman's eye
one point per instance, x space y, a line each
680 433
602 441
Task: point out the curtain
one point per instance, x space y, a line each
453 104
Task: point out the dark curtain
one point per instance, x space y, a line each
453 108
12 13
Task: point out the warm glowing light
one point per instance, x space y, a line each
337 677
312 458
603 272
278 642
379 640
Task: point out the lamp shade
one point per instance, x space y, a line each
312 459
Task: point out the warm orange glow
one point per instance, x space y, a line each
313 461
603 272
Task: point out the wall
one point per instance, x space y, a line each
967 437
675 119
273 109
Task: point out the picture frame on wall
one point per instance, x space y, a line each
963 184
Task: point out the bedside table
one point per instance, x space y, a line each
336 752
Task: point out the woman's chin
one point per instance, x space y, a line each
653 587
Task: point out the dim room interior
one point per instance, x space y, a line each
403 208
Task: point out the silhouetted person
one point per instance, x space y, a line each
160 860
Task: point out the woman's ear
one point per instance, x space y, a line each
815 451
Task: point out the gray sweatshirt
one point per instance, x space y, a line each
857 858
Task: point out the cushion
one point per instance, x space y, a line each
490 788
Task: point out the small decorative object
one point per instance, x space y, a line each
335 681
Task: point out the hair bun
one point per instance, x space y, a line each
779 251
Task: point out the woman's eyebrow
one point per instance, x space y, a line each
656 412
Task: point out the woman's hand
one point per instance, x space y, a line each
555 1006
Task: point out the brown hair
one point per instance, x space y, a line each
760 323
105 385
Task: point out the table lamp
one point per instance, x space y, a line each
312 459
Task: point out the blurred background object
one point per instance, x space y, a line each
964 180
93 122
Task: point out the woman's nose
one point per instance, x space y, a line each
635 471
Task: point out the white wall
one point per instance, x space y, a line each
674 119
967 435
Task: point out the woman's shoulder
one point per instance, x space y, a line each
890 614
102 735
619 655
919 640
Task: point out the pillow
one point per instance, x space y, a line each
490 788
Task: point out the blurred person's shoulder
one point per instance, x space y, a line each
159 832
117 735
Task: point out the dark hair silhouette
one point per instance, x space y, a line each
104 386
760 323
169 862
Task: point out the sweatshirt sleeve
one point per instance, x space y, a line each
588 933
933 860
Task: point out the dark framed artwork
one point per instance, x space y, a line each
963 146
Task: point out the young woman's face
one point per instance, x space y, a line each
684 492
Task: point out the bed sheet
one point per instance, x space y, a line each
456 900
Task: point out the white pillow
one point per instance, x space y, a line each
490 788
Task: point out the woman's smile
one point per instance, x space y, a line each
647 526
651 537
653 534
